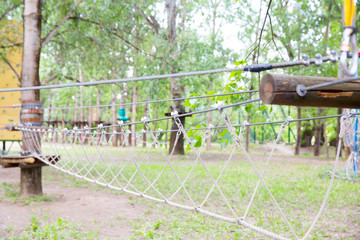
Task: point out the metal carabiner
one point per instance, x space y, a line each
349 35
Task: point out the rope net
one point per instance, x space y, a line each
231 185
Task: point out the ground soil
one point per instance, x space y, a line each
93 209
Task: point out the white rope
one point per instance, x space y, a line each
90 156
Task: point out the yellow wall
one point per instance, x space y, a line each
10 32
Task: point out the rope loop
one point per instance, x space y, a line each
287 122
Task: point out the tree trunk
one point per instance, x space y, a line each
247 146
82 119
209 121
317 140
30 184
76 108
145 115
114 117
133 118
325 138
298 132
98 115
175 89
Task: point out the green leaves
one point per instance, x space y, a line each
195 137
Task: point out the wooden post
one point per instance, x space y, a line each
30 179
281 90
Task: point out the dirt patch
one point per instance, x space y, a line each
104 212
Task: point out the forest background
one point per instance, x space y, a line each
86 41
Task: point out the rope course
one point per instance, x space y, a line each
88 154
142 166
195 185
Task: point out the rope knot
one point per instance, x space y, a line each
219 105
144 119
287 122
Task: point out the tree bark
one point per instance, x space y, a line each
30 179
317 140
175 89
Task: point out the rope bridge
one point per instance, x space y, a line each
195 183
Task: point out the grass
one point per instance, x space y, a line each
60 229
11 193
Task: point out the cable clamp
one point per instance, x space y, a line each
334 56
318 59
306 60
300 90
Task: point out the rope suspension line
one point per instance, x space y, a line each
155 101
306 61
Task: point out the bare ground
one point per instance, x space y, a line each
95 210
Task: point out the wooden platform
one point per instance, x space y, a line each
10 161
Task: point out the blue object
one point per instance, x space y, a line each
122 115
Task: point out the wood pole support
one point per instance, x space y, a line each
30 178
30 182
280 89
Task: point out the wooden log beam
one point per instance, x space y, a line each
280 89
17 160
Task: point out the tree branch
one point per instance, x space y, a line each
56 27
46 81
153 23
10 66
262 29
114 31
9 10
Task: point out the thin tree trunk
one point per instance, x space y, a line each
175 89
247 146
114 117
50 107
75 122
30 180
209 121
98 115
326 141
298 134
133 118
317 140
145 115
155 117
82 120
